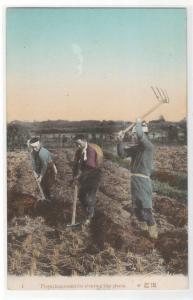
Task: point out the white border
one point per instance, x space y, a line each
190 140
4 293
98 3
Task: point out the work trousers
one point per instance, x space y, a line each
141 190
144 214
48 181
88 186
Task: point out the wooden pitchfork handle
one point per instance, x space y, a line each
142 117
161 96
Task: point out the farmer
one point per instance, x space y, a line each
87 171
43 165
141 152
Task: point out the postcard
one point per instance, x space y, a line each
97 168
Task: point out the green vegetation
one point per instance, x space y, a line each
175 179
116 159
164 189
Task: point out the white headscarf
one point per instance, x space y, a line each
84 152
36 144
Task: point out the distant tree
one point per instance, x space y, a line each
17 135
161 118
172 133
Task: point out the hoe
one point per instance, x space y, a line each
42 196
73 224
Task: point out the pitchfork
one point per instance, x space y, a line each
162 98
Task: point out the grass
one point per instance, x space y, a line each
164 189
175 179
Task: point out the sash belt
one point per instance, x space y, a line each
140 175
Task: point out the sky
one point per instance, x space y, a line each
95 63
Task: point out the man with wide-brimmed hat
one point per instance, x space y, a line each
87 171
141 152
43 165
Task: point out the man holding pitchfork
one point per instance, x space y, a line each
141 152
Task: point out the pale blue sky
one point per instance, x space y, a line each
76 55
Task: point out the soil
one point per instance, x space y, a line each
39 242
172 158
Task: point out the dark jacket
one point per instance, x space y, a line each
89 164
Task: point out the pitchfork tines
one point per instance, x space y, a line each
160 94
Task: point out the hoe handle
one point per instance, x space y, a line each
43 198
74 204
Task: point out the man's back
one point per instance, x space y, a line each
142 158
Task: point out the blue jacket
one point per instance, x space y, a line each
41 160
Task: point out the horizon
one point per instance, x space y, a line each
92 120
